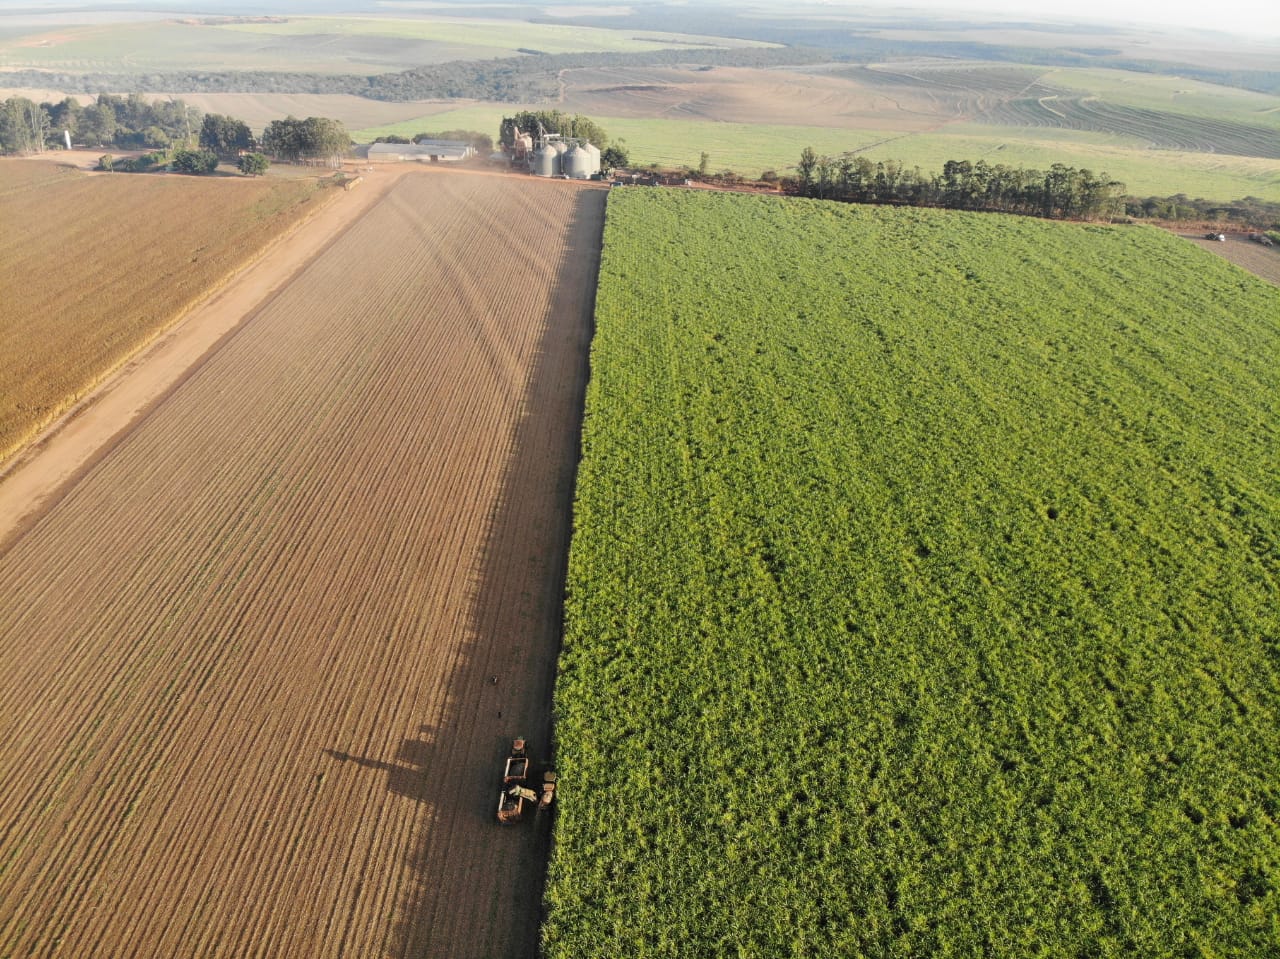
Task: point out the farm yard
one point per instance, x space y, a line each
76 303
924 591
249 702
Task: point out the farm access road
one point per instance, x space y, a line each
1245 253
248 704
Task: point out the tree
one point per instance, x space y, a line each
64 116
315 138
808 162
97 125
615 157
193 161
552 121
253 164
24 125
225 136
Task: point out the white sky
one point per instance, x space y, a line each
1250 18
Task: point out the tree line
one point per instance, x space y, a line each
130 122
1060 192
176 136
1251 212
520 79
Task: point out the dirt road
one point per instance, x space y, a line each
248 702
1245 253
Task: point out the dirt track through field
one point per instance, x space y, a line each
1245 253
247 704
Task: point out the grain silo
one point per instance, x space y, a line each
546 162
576 164
594 152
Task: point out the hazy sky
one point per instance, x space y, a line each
1247 17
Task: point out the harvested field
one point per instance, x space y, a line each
130 254
247 702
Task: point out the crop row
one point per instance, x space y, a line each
924 591
131 257
1171 131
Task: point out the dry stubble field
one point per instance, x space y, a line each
93 268
247 706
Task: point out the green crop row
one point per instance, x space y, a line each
924 594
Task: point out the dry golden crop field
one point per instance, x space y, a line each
94 267
262 660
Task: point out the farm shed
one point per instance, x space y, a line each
425 151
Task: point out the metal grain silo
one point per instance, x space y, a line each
546 162
594 152
576 164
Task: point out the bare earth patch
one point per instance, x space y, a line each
1246 254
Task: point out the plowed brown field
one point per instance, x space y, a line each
247 703
94 268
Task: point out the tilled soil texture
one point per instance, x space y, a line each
262 661
92 268
1247 254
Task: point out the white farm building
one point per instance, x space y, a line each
425 151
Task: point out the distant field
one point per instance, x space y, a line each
1160 129
92 268
320 44
749 149
1171 94
924 594
506 35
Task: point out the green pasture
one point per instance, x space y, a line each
924 591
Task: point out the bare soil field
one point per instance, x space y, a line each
1243 252
93 268
746 95
264 656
